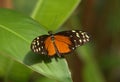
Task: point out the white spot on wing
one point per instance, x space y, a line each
83 36
36 50
71 36
39 49
33 47
74 40
37 37
80 31
41 41
87 39
33 42
73 48
80 40
38 43
42 52
77 45
87 36
84 40
73 31
77 34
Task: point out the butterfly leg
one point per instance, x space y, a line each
56 57
58 54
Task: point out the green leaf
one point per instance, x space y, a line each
16 33
16 72
4 62
53 13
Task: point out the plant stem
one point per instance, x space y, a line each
36 8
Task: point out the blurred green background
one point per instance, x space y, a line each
101 19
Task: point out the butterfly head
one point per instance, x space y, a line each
50 32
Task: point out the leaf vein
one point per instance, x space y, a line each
9 30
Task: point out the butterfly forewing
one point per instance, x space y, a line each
63 44
38 45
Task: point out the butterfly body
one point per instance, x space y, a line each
59 43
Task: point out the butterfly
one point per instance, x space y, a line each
59 43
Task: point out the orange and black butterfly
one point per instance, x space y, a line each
59 43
